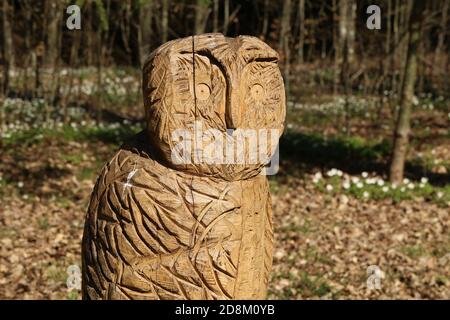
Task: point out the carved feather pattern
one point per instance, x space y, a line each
166 235
156 229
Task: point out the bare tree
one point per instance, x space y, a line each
226 16
347 16
7 56
336 49
53 29
144 28
285 24
301 41
396 34
442 34
265 25
387 44
202 11
8 49
284 40
165 20
403 125
402 50
215 15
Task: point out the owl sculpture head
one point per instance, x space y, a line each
212 96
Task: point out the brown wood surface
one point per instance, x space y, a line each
160 230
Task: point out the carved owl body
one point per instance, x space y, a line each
159 229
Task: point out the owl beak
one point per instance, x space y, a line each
233 112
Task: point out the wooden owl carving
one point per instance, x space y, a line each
162 225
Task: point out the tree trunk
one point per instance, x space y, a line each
346 47
284 40
301 41
74 64
54 18
441 37
89 34
144 29
351 31
387 44
215 15
126 29
56 79
285 24
8 50
405 13
403 126
265 25
393 60
165 20
27 7
226 16
201 16
336 49
99 91
347 16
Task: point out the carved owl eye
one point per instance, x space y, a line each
263 95
202 91
257 92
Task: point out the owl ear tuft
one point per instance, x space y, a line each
254 49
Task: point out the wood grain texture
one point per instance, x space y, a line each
159 230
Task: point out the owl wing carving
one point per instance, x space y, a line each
154 233
160 229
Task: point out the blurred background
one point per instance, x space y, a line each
364 182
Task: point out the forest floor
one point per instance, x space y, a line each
339 223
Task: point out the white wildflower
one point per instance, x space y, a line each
334 172
346 185
317 177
